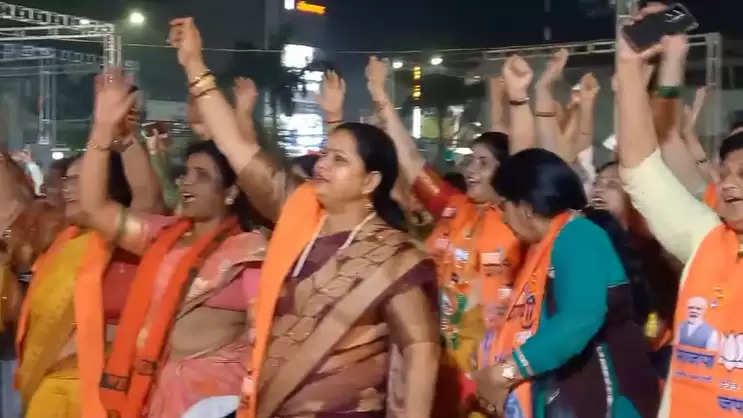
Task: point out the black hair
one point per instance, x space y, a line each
457 180
242 208
730 144
496 143
606 165
544 181
118 186
541 179
377 151
306 163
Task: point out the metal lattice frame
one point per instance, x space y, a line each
34 24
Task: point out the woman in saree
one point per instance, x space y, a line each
341 289
76 293
185 322
476 255
571 336
705 377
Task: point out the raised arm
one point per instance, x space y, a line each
265 182
589 91
668 111
547 126
675 217
691 137
331 99
246 95
157 151
108 217
411 161
147 195
497 97
518 75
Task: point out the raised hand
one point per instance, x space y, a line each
246 94
376 78
113 98
518 76
333 94
497 88
589 88
555 67
185 36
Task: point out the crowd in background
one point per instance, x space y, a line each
361 283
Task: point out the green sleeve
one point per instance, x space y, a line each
585 264
169 189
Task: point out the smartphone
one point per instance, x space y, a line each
673 21
150 127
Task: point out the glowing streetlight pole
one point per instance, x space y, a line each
136 18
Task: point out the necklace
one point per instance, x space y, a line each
308 247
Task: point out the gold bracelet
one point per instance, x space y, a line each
205 92
94 146
206 84
203 75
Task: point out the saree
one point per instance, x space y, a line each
172 284
65 295
322 347
476 255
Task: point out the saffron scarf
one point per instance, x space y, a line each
130 370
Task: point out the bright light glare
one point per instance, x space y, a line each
417 116
136 18
297 56
463 151
289 4
437 60
397 64
56 155
84 21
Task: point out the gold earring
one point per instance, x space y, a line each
229 201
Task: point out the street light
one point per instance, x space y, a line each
437 60
397 64
136 18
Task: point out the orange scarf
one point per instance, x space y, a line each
129 373
524 314
90 338
706 371
299 218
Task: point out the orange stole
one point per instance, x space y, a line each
296 224
128 376
88 301
522 318
708 382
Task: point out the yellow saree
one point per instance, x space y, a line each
49 384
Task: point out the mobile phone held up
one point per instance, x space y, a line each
673 21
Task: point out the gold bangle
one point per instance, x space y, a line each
94 146
198 79
207 84
545 114
205 92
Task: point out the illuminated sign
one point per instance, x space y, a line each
317 9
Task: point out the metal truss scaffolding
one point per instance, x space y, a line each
30 24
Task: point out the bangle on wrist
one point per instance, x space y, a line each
545 114
92 145
334 122
669 92
205 92
203 86
519 102
198 78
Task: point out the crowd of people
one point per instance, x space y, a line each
252 288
